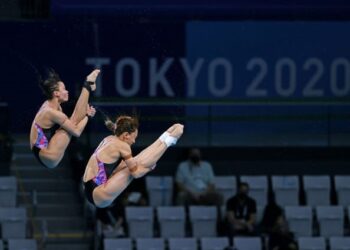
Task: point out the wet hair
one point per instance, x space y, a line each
50 84
123 124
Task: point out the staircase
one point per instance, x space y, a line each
54 207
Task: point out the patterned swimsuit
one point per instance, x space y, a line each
104 171
42 141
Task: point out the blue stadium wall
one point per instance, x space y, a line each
250 83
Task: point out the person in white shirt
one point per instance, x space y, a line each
195 181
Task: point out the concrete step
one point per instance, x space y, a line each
59 208
21 147
67 236
55 210
28 159
60 224
49 185
25 159
47 198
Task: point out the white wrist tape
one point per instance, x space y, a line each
163 136
168 139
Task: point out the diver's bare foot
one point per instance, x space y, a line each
92 78
177 130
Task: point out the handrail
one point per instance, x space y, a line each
34 201
45 232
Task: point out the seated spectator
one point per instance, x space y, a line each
275 226
195 181
241 213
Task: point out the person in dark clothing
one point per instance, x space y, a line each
241 213
275 226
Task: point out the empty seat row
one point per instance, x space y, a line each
330 220
204 219
206 243
286 189
320 243
172 221
219 243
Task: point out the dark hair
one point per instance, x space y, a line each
50 84
243 184
123 124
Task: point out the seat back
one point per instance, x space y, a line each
339 243
226 186
182 244
300 220
286 190
171 221
160 190
8 191
247 243
342 187
150 244
331 220
117 244
22 244
312 243
140 221
317 190
213 243
13 223
203 220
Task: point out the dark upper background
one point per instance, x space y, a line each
63 34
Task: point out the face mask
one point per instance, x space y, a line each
194 159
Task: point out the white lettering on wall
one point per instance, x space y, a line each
191 74
119 75
284 77
157 77
212 73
